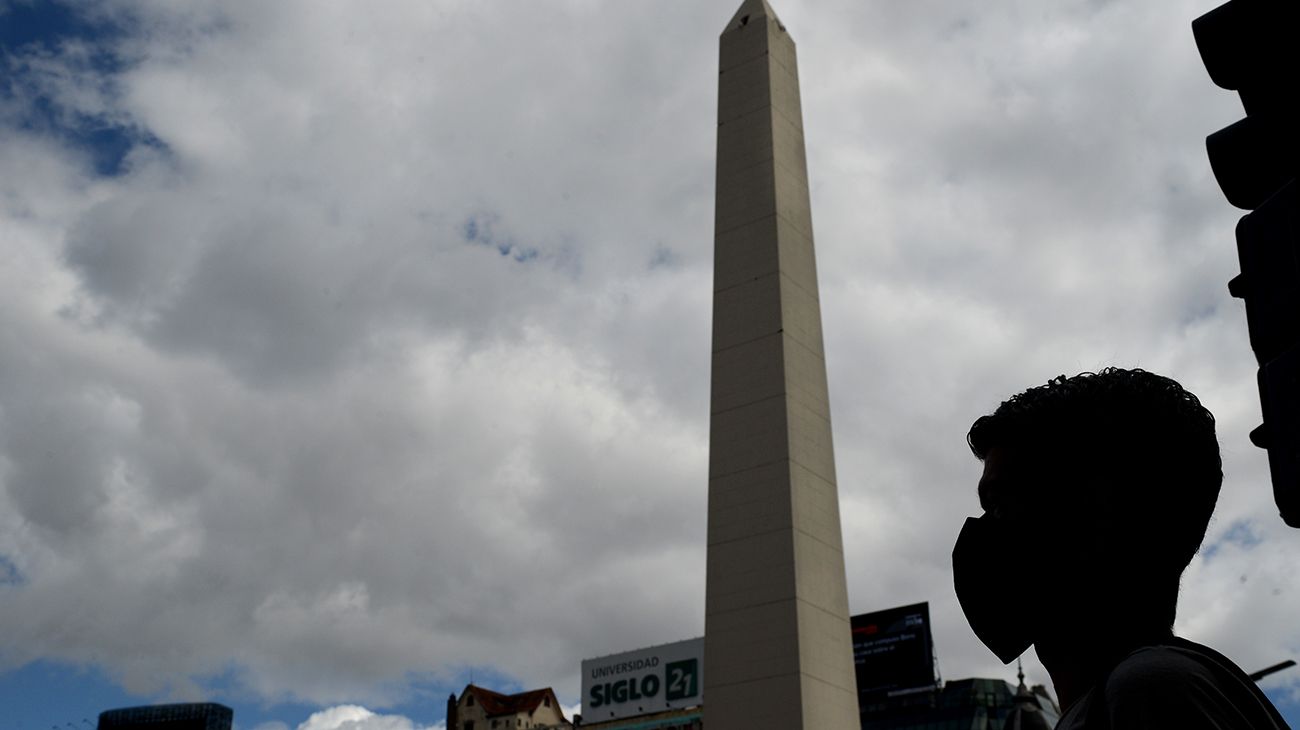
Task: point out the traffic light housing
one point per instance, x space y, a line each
1251 47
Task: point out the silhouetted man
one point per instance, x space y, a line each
1096 492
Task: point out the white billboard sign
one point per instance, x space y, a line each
654 679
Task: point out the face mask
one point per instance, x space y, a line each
980 562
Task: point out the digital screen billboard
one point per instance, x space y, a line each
643 681
893 650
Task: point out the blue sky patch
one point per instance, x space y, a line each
1241 533
44 22
9 573
38 36
44 694
47 694
480 230
663 258
1286 702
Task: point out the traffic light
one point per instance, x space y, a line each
1251 47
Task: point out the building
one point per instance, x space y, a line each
188 716
964 704
899 687
482 709
689 718
1034 710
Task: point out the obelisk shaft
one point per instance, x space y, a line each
777 644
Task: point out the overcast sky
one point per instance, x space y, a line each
350 350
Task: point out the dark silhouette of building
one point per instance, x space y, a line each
1034 710
964 704
188 716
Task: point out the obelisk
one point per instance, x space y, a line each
776 632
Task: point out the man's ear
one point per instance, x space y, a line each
1094 532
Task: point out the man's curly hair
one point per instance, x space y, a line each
1141 434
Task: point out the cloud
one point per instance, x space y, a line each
354 717
383 353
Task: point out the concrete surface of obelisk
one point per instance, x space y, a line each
777 650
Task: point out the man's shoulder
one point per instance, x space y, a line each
1158 665
1183 684
1158 671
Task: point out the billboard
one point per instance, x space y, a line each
892 649
647 680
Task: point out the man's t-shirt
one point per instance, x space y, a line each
1178 684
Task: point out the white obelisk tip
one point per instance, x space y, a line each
752 11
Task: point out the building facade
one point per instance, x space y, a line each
964 704
690 718
478 708
187 716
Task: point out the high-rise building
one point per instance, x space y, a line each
187 716
776 630
963 704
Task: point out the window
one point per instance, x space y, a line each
470 701
547 700
469 725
